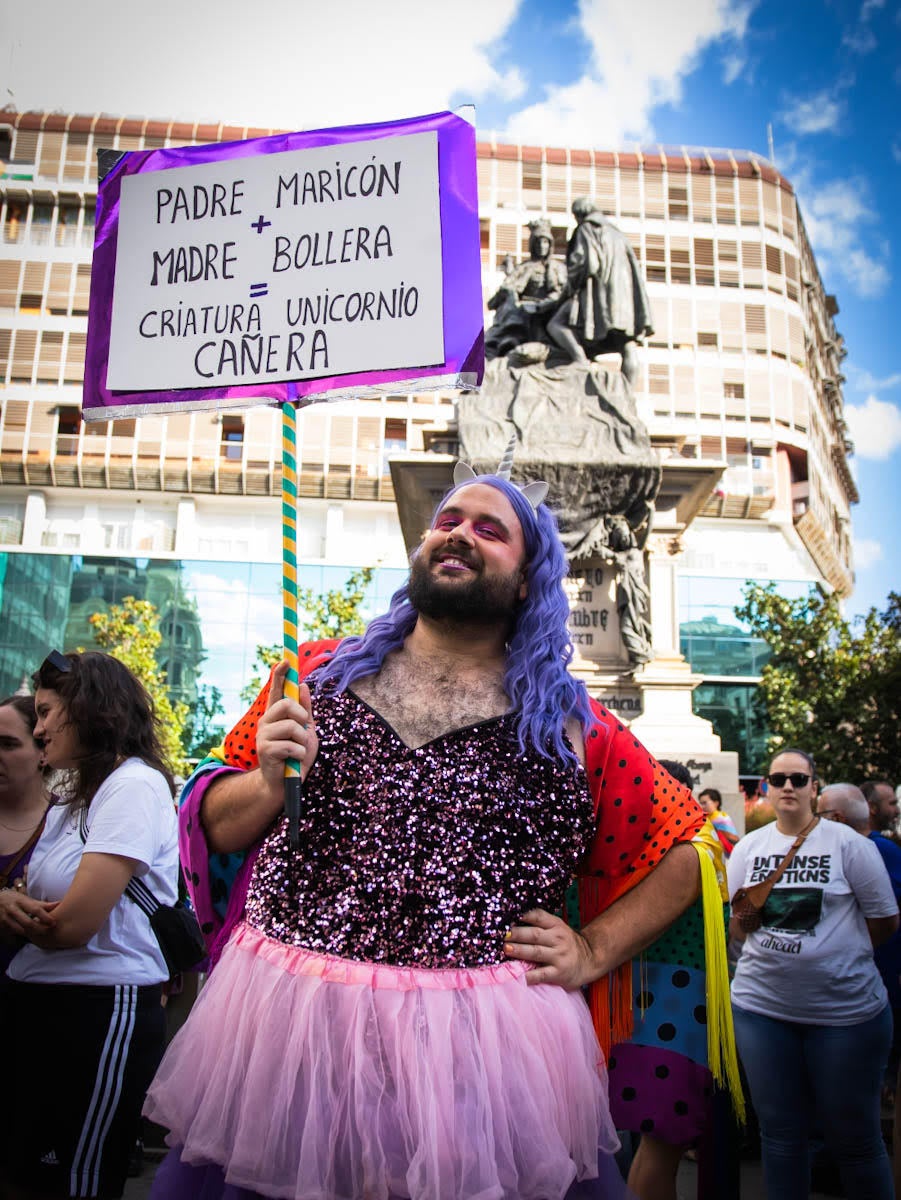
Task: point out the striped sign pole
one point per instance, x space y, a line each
289 602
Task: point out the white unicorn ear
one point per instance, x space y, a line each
463 472
535 492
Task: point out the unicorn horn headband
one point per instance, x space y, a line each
533 492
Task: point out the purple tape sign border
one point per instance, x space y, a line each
461 267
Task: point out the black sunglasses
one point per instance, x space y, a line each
798 779
55 661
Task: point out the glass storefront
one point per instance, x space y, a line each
712 638
213 615
731 710
716 644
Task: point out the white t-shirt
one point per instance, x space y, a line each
812 960
132 814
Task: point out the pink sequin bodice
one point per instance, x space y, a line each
420 857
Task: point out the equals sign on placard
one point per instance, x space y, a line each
258 289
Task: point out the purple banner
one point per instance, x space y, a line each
184 308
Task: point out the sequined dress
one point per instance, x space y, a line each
363 1033
421 857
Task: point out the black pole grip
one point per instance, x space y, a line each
293 793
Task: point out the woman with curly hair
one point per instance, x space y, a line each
83 994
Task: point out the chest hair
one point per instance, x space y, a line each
422 701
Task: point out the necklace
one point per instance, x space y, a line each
20 828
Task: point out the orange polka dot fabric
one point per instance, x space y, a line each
241 743
641 810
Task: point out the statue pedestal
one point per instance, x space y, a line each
667 724
653 699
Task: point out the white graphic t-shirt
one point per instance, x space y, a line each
812 960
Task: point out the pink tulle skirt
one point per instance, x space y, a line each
312 1077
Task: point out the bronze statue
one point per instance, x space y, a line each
606 307
576 421
526 298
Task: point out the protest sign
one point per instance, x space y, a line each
302 267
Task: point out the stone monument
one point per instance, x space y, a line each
574 419
577 427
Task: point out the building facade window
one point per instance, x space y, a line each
232 446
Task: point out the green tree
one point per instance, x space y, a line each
130 632
336 614
266 658
202 728
832 686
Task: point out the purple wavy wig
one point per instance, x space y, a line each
539 651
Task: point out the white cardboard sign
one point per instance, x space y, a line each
303 263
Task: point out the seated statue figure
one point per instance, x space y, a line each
529 294
605 306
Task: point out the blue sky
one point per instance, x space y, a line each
826 76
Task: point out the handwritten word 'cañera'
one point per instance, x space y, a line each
256 354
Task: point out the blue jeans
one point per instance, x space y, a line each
824 1079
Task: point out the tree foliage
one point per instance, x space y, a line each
130 632
336 614
266 658
202 728
832 686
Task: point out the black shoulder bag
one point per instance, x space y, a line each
174 926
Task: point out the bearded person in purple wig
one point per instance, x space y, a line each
397 1010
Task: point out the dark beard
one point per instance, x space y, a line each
480 601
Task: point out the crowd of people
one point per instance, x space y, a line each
80 1004
490 945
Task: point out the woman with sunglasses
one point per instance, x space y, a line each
83 994
812 1020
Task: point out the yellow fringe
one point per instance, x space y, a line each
721 1053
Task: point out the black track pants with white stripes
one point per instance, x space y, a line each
81 1059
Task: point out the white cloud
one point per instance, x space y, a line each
294 64
875 428
861 39
838 216
863 380
230 616
896 151
733 67
867 552
821 113
640 53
